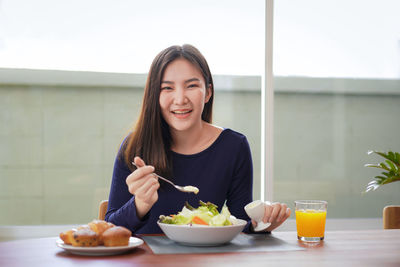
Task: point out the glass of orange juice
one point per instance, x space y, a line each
310 219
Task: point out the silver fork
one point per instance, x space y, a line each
187 189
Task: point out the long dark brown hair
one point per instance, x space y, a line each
151 138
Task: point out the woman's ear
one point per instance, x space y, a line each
208 93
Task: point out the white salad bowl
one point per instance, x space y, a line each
202 235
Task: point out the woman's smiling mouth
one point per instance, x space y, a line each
181 113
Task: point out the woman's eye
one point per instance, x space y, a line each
193 85
166 88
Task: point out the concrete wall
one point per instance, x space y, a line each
58 140
321 144
59 135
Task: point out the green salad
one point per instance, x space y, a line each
205 214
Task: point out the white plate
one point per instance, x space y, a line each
100 250
201 235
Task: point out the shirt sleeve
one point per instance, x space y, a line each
241 189
121 209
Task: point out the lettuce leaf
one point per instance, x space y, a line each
208 212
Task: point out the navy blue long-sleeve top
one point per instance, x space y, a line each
222 172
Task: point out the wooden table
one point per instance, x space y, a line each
340 248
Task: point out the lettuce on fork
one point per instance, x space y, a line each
205 214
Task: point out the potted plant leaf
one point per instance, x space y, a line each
390 174
390 167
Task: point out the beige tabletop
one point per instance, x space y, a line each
340 248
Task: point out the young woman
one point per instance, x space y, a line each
174 137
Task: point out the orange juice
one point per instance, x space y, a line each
310 223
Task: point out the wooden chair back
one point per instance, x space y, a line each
103 209
391 217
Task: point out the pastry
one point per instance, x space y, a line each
85 237
93 233
116 236
83 226
67 236
100 226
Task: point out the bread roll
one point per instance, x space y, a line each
116 236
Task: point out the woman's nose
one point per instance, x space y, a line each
180 96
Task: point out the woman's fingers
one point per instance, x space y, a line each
151 193
283 212
139 174
276 212
138 178
147 189
135 184
276 208
139 162
146 196
144 185
267 213
288 212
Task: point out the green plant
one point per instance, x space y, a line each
391 167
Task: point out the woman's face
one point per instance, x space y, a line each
183 95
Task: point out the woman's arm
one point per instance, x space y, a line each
121 203
240 194
241 188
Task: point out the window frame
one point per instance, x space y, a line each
267 108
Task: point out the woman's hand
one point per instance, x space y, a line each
144 185
276 214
